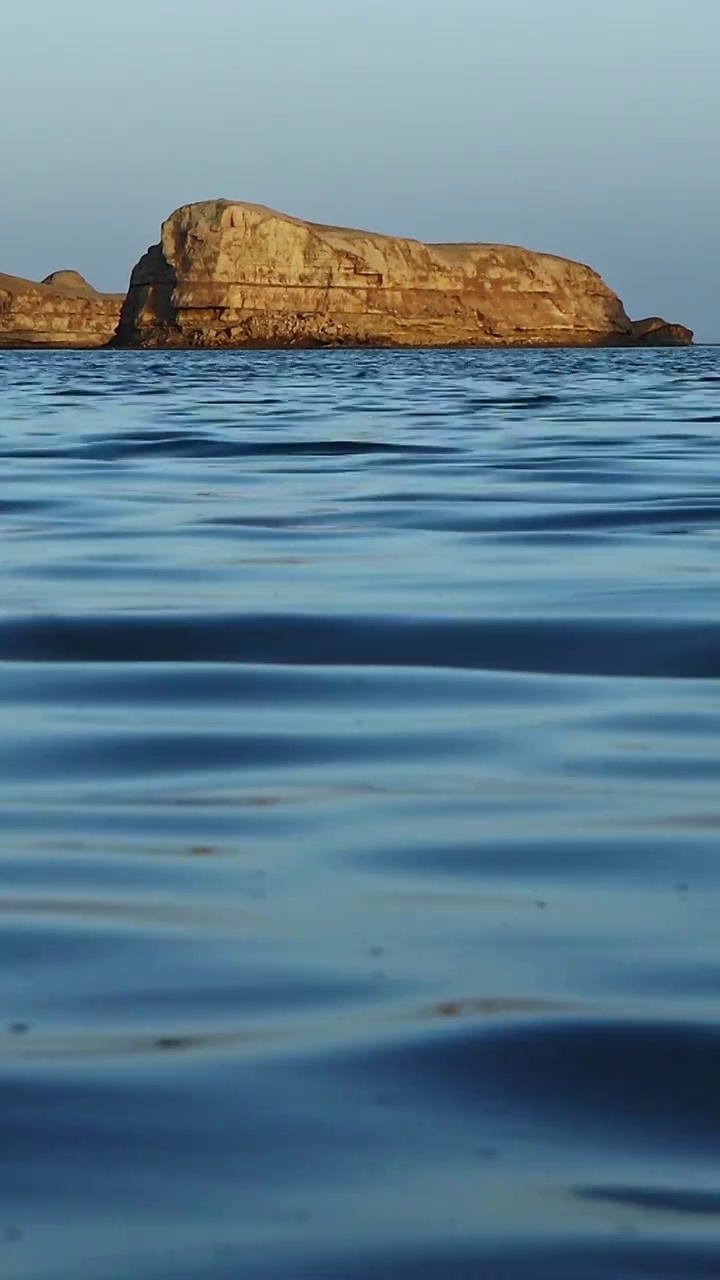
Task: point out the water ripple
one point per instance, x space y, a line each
359 885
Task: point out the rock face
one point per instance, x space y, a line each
229 274
655 332
63 311
71 280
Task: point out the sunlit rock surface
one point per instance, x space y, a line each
229 274
62 311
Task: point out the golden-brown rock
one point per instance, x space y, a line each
63 311
230 274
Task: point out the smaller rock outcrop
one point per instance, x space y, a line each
655 332
72 281
61 311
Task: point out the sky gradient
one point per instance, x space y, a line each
579 128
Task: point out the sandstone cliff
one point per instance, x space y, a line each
229 274
63 311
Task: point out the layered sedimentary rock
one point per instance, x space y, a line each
229 274
62 311
655 332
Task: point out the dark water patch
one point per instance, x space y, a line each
539 858
675 519
24 506
605 1082
177 446
121 755
622 1259
677 1200
592 647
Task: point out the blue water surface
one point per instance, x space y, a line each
360 815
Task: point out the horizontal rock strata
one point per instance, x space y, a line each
62 311
655 332
229 274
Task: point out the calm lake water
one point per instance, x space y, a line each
360 815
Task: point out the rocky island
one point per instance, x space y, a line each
231 274
63 310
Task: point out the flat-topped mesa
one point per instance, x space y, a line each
62 311
230 274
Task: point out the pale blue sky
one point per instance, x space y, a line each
583 127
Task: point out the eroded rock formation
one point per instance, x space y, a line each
655 332
229 274
62 311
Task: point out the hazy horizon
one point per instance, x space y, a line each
582 130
